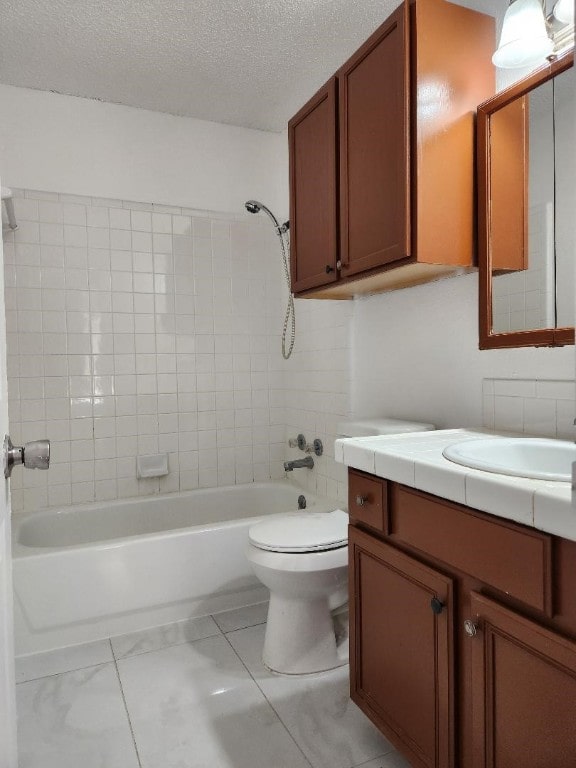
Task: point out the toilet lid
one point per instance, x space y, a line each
302 532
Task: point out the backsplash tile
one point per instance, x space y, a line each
535 406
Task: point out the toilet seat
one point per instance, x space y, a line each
302 532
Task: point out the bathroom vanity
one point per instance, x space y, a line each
463 623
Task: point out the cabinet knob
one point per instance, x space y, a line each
470 627
329 269
436 605
361 501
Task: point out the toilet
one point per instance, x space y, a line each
302 557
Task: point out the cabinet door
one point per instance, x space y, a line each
374 149
524 691
313 191
401 660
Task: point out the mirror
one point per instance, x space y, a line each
527 205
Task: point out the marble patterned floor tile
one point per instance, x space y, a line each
61 660
240 618
391 760
195 705
74 720
162 637
317 710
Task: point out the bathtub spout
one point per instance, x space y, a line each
298 464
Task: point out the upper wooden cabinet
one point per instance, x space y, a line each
398 119
313 191
375 150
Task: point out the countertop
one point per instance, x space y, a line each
415 459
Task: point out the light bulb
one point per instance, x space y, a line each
524 40
564 11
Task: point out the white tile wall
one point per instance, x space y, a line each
316 383
136 329
535 406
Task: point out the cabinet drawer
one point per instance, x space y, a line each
367 500
514 560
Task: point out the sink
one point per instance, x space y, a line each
538 458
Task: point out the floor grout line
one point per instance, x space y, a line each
126 709
272 707
66 671
163 647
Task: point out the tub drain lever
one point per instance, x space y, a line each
34 455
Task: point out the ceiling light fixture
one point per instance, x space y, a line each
524 40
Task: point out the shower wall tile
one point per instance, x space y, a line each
310 393
136 329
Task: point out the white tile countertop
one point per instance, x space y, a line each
415 459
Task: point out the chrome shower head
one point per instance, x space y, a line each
253 206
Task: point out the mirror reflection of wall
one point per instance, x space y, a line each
540 292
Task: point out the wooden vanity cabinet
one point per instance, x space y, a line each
462 632
402 642
403 123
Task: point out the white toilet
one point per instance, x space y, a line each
302 557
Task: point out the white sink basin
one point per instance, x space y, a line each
537 458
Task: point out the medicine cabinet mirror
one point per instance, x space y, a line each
527 210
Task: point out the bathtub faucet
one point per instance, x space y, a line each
298 464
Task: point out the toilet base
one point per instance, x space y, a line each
303 636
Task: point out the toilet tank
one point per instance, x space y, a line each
380 426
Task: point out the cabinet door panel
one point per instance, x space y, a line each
313 191
524 692
401 651
374 149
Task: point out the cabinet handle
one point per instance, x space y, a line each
361 501
329 269
436 605
470 627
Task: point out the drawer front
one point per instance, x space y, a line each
512 559
367 500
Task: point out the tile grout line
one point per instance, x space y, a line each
163 647
66 671
126 707
272 707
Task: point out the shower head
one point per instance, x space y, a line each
253 206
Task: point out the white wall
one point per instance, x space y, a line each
80 146
415 355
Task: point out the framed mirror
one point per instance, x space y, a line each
527 210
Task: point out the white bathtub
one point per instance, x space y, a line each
93 571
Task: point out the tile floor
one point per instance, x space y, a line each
189 695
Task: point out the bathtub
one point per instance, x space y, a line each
94 571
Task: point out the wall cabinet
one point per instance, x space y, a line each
382 157
463 631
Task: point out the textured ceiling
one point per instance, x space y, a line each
251 63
